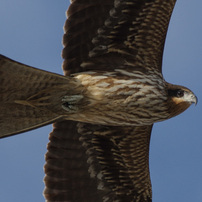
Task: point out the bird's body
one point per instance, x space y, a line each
116 98
122 98
112 93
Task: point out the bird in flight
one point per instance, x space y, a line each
104 108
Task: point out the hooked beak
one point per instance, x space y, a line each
190 97
194 99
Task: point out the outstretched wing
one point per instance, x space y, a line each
97 163
100 163
109 34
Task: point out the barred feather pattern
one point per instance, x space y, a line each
98 163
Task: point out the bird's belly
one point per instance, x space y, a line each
123 113
115 101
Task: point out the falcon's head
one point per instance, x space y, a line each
179 99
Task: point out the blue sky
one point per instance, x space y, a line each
31 33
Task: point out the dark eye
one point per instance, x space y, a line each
180 93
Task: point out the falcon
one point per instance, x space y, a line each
104 108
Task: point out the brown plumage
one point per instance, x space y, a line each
99 151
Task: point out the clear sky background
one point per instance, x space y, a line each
31 32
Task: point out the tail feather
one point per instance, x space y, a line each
29 97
